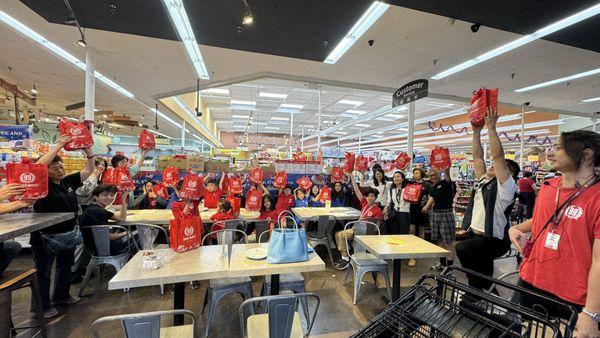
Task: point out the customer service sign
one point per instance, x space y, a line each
410 92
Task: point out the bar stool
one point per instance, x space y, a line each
13 281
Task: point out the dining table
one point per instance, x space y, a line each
340 213
15 225
398 247
164 216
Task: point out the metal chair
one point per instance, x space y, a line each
323 235
260 226
10 282
280 320
219 288
102 256
147 325
361 261
147 235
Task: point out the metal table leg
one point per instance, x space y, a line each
396 279
178 302
274 284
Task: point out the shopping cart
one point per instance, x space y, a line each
441 306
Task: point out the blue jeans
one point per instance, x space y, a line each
43 260
8 251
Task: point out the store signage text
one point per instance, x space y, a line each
410 92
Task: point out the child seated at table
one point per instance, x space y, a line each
96 214
301 200
224 213
285 199
314 199
338 195
370 211
212 194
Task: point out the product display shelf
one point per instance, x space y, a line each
464 189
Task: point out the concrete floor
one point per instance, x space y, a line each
337 316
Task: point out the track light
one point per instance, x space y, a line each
82 43
248 19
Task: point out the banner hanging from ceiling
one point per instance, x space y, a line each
410 92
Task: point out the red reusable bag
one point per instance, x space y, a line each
412 193
440 158
256 175
160 190
280 180
402 161
235 185
192 187
337 174
79 133
186 233
349 162
236 204
170 176
361 163
304 183
254 200
34 176
325 194
480 101
122 179
146 140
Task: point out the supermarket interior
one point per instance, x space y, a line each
181 168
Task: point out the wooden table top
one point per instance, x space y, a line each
163 216
15 225
341 213
205 263
400 246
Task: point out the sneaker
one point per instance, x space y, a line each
50 313
438 267
412 262
68 301
343 264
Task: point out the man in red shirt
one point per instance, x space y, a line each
370 211
212 194
564 261
527 189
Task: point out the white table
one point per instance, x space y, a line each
398 247
341 213
15 225
163 216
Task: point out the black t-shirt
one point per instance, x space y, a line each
61 198
442 195
93 215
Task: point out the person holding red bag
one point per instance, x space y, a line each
212 194
61 198
397 212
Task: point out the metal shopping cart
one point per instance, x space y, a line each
441 306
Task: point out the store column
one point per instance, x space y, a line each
594 124
319 124
411 128
522 136
90 87
183 136
291 133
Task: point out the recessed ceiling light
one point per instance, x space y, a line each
592 100
350 116
240 116
540 33
562 79
376 136
220 91
224 122
369 17
243 103
272 128
280 118
291 106
272 95
362 125
350 102
354 111
340 133
395 116
259 123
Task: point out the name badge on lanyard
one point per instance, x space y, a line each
552 240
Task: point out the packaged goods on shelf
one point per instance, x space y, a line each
196 163
213 166
298 167
73 164
163 162
179 163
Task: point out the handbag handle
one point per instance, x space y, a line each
286 218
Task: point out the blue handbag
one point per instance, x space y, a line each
288 245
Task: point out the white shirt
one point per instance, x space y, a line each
504 197
398 199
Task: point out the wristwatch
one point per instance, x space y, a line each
91 156
595 315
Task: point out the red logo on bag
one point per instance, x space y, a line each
75 131
253 198
189 231
191 184
27 177
574 212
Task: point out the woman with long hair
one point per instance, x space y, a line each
397 212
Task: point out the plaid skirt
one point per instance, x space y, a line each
443 225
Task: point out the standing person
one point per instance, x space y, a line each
84 193
397 212
61 198
487 217
370 211
564 258
378 183
338 195
418 218
10 249
441 217
527 190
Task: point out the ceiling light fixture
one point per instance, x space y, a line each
354 111
240 116
369 17
540 33
562 79
159 134
220 91
351 102
243 103
82 43
280 118
291 106
272 95
182 25
34 90
362 125
592 100
248 19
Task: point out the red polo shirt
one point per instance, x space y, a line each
284 202
564 272
211 199
369 211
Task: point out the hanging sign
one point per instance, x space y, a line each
510 156
533 158
15 136
410 92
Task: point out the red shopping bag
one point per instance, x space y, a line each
304 183
280 180
402 161
440 158
146 140
170 176
34 176
192 187
236 204
480 101
80 135
337 174
123 179
256 175
160 190
387 166
349 162
361 163
254 200
325 194
186 233
412 193
235 185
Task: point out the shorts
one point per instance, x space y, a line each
443 226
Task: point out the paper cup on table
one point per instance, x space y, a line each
328 204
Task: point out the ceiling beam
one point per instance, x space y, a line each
11 88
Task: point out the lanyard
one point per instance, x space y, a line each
559 212
366 210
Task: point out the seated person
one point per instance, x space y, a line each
338 195
314 199
301 200
148 199
96 214
224 213
285 199
370 211
212 194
